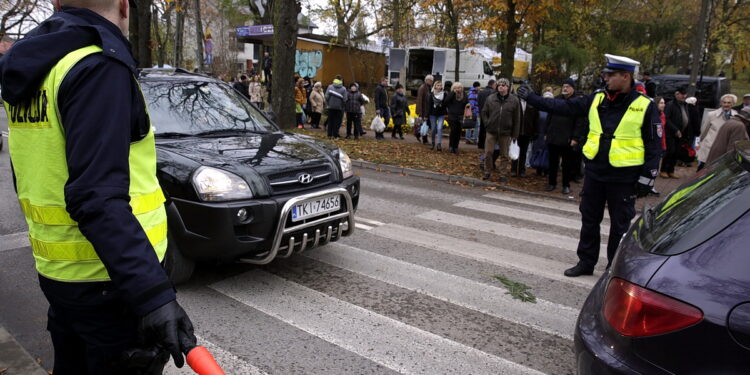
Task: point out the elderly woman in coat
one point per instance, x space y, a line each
317 103
711 126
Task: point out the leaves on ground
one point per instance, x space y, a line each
409 154
519 291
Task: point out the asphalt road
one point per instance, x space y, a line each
412 291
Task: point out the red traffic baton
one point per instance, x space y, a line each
202 362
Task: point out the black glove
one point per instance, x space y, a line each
524 91
144 361
644 186
168 327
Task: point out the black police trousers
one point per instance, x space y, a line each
90 327
620 200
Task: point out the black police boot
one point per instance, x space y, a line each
566 190
550 188
578 270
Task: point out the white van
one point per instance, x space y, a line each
409 66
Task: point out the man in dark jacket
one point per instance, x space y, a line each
501 115
381 101
622 155
111 294
243 86
745 103
481 99
678 120
423 107
562 137
529 118
649 84
335 102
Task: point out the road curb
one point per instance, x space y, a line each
430 175
15 359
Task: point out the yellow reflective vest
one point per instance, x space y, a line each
36 144
627 147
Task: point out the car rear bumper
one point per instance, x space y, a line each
215 231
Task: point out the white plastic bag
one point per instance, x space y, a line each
514 151
377 125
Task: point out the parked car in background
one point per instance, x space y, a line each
237 187
677 298
710 89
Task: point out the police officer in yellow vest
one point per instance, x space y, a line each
84 161
622 154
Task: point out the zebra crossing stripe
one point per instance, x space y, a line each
543 315
529 235
383 340
525 215
371 222
230 363
530 264
540 203
362 226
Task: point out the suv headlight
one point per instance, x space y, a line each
215 185
346 164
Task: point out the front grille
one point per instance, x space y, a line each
289 182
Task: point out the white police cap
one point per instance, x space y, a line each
620 63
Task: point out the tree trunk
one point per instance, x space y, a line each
159 40
284 46
144 33
179 32
453 18
396 19
697 48
511 37
198 36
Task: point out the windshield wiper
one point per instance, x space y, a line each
228 131
173 135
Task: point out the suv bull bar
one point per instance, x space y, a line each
318 239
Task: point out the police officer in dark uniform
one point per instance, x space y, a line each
621 150
84 162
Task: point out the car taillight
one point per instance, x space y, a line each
635 311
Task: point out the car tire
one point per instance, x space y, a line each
179 269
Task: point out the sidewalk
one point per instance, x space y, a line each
14 360
530 183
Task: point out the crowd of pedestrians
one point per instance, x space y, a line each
493 118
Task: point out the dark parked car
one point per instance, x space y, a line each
238 188
710 89
677 298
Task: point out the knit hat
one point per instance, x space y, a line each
570 82
399 86
503 81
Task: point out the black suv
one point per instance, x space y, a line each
238 188
710 89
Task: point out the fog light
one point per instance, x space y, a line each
354 190
241 215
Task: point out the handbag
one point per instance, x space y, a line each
468 122
540 158
417 125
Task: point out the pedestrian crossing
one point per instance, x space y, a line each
404 294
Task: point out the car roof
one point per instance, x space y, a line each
680 77
174 74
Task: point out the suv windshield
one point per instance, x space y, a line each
195 107
698 210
